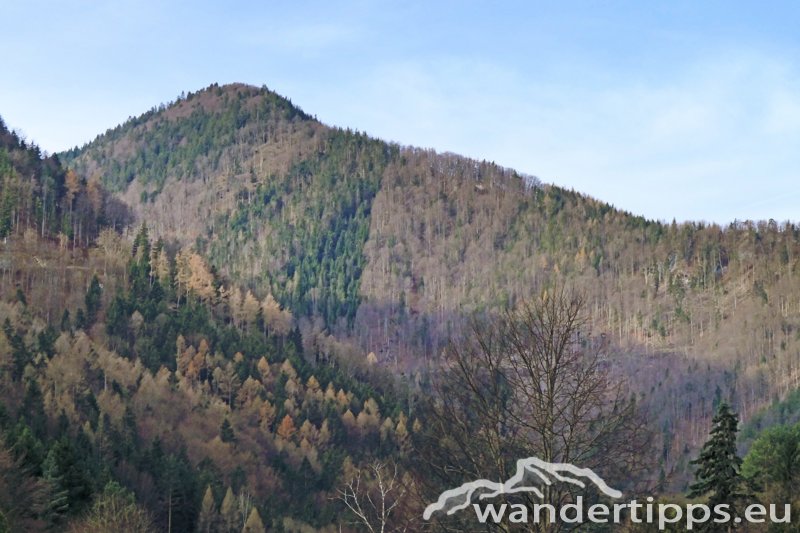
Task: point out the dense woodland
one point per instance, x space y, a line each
224 312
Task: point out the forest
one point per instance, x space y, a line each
224 315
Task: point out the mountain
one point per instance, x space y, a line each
273 198
225 305
394 245
132 398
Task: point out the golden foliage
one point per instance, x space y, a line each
286 429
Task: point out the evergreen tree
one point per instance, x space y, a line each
718 466
226 432
66 323
7 204
93 300
80 319
64 470
20 354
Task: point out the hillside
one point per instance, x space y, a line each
224 306
273 198
393 245
131 392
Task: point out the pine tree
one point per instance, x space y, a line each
7 204
718 466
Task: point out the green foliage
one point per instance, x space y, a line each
187 148
65 468
319 213
34 193
718 466
774 460
79 451
20 353
784 412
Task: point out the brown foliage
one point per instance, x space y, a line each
286 429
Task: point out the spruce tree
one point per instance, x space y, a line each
718 467
226 432
93 300
66 323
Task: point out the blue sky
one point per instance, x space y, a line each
686 110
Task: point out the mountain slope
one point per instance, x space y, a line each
395 245
272 197
126 390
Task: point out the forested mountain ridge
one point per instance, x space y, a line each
133 394
273 198
401 242
37 192
266 231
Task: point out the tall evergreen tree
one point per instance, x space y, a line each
226 431
718 466
92 300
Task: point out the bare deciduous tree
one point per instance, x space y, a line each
374 495
528 382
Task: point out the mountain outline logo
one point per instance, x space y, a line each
457 499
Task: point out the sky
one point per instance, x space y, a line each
671 110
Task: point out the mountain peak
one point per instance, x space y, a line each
185 138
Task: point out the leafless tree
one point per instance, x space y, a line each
374 496
528 382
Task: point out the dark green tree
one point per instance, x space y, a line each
80 320
719 467
226 432
7 204
20 354
92 299
66 323
65 470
